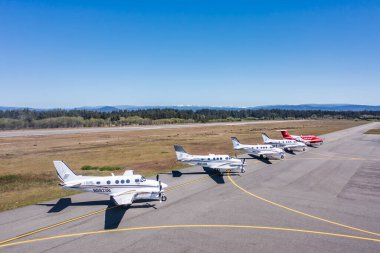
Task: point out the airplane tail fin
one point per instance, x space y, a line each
235 142
265 137
180 152
285 133
64 172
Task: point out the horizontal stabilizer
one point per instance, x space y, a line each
128 173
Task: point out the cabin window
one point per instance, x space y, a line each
127 181
122 181
209 159
98 182
213 158
117 181
137 180
108 182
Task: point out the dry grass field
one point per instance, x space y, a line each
27 174
373 131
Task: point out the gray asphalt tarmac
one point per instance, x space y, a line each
326 199
58 131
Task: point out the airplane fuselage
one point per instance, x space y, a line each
257 150
289 145
146 188
221 163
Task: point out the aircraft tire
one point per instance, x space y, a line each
164 198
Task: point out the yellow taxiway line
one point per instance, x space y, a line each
299 212
196 226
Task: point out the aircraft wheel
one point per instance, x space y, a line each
282 156
164 198
304 149
242 170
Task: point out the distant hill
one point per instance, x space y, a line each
322 107
301 107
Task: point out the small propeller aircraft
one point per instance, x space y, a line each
221 163
310 140
287 145
263 151
123 190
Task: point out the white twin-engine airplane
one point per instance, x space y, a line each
123 190
221 163
287 145
263 151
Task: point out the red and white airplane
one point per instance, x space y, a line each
310 140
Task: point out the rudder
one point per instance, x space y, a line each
64 172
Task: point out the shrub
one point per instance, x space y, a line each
89 167
109 168
104 168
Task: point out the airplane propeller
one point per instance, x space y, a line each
160 192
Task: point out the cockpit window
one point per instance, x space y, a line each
143 179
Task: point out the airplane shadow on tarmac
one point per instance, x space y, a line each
113 214
264 160
214 175
290 152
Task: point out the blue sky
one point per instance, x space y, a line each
221 53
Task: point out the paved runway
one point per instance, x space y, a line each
326 199
58 131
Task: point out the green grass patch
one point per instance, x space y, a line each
89 167
109 168
373 131
103 168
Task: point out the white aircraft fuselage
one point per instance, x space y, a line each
123 190
262 151
221 163
288 145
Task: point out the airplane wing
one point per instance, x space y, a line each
299 139
222 166
267 153
124 198
292 146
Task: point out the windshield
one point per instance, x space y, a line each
143 179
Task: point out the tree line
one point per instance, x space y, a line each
20 119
